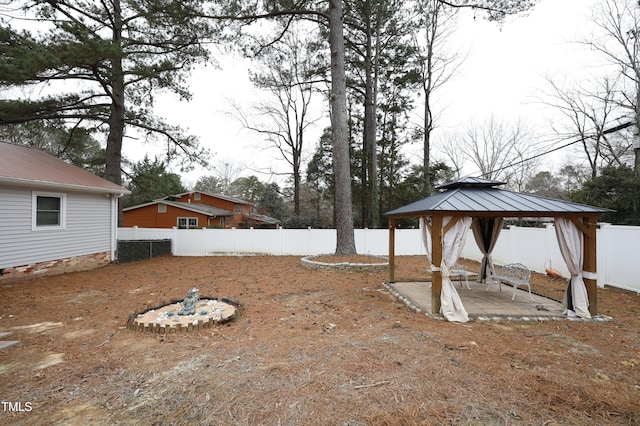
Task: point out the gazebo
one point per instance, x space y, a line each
479 203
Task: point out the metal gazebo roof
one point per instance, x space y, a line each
476 197
481 197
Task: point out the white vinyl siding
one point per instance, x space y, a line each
86 231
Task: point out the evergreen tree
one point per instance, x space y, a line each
150 181
615 188
545 184
378 48
103 63
319 181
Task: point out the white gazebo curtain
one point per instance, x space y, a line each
485 232
570 240
453 241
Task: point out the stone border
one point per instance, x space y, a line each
138 321
308 262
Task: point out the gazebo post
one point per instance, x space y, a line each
392 249
589 263
436 257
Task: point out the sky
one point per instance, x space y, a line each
502 75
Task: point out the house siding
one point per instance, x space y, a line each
86 232
241 208
148 217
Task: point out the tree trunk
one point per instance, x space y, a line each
636 140
427 87
345 244
296 175
116 119
370 133
426 157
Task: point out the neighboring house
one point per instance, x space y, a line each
197 210
54 217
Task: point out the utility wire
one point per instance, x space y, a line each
604 132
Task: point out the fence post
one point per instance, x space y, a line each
234 234
550 238
602 257
364 241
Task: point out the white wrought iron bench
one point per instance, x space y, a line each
514 274
461 272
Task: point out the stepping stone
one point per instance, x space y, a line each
8 343
4 334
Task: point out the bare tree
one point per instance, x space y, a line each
590 113
499 150
438 63
619 20
454 154
226 171
285 73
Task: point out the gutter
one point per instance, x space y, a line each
114 224
59 186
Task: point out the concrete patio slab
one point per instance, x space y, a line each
482 303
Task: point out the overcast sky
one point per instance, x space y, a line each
503 74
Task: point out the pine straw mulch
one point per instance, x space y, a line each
308 348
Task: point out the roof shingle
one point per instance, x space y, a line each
21 165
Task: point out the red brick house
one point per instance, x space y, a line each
197 210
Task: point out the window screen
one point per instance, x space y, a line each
48 211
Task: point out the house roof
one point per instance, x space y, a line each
220 196
206 210
481 197
193 207
264 219
25 166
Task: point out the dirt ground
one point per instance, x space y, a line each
309 347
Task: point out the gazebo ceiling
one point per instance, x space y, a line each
481 197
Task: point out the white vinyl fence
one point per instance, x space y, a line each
617 246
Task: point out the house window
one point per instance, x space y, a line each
196 196
48 210
162 208
187 222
